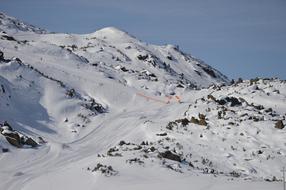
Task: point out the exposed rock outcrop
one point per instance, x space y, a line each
15 138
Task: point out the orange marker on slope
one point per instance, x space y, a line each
178 99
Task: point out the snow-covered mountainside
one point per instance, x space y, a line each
14 25
107 111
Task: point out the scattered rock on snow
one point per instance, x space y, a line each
135 160
200 121
169 155
279 124
232 100
4 150
161 134
171 125
183 121
104 169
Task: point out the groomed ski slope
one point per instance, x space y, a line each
59 165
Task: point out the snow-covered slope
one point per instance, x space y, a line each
108 111
14 25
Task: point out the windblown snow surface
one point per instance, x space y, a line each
111 112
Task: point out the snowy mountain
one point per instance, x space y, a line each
15 25
106 110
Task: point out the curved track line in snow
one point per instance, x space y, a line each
169 98
56 158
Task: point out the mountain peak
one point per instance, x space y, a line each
114 34
111 29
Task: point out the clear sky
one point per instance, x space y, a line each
241 38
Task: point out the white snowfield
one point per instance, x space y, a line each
111 112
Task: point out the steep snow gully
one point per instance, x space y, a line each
108 111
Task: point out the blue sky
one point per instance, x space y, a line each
241 38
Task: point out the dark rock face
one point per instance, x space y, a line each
212 97
258 107
12 137
172 125
203 122
170 57
135 160
93 106
180 86
200 121
142 57
254 81
31 142
70 93
183 121
210 72
232 100
9 38
195 121
124 69
171 156
1 56
147 76
279 124
202 116
121 143
105 170
3 89
239 80
4 150
162 134
15 138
